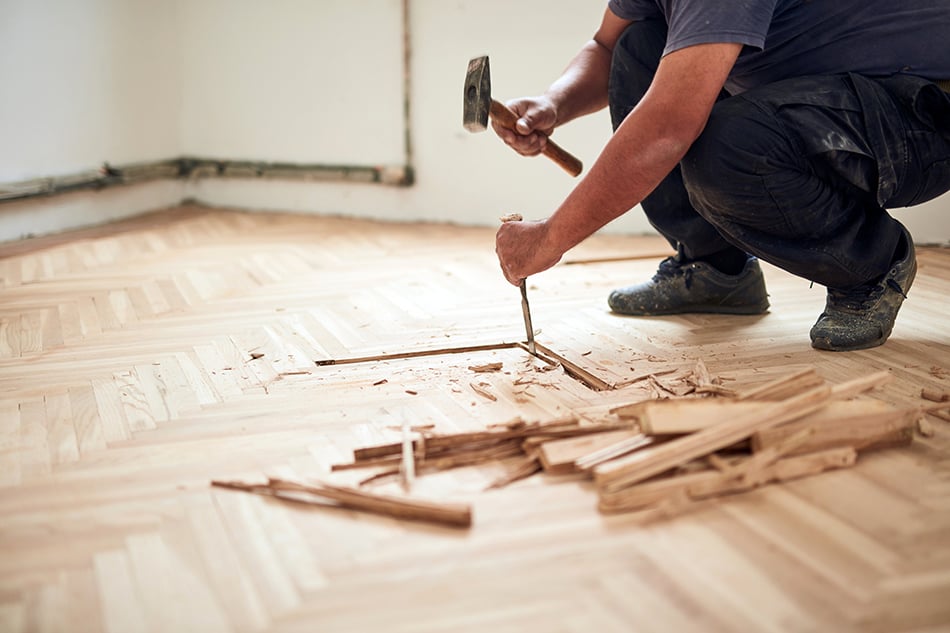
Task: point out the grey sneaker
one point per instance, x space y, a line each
864 316
683 287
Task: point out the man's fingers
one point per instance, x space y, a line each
513 279
526 145
505 262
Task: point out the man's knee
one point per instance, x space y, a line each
726 169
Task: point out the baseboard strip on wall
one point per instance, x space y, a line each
194 168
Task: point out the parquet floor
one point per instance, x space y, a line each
140 360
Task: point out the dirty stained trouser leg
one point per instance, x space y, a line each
708 274
668 208
801 173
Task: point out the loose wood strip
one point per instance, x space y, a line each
678 417
457 459
416 354
568 421
558 456
368 463
711 483
677 386
718 462
407 466
527 467
749 470
576 371
452 515
716 390
856 387
784 387
701 373
619 449
483 392
434 442
647 463
652 375
892 427
486 368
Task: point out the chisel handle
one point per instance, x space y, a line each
523 286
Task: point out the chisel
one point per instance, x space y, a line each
525 309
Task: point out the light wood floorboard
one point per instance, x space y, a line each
140 360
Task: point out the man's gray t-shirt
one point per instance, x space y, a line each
792 38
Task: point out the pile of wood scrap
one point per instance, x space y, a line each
429 452
790 428
432 452
658 454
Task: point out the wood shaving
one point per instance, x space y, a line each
480 390
487 368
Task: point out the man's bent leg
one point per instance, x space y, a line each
635 60
708 274
799 173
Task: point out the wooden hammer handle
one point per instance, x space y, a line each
501 113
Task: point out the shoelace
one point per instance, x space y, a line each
896 287
671 267
858 298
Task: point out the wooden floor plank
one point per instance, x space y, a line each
142 359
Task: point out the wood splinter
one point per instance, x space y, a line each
486 368
447 514
714 483
482 391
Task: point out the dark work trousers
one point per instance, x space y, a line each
799 172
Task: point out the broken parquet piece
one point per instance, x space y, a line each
712 482
447 514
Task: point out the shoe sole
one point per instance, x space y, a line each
702 309
825 345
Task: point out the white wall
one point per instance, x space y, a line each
462 177
87 81
82 83
292 80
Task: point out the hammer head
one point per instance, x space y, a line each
477 98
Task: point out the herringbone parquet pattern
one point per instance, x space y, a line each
140 360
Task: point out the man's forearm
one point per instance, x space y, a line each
632 164
645 148
648 144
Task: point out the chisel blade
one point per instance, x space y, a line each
526 311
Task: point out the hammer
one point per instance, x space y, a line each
479 105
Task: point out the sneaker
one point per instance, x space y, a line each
682 287
863 317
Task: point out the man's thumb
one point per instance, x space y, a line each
524 125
